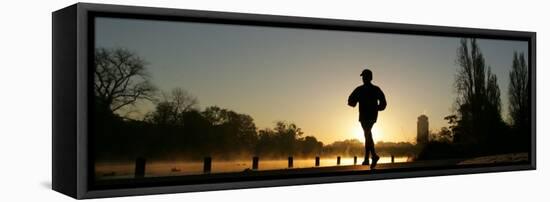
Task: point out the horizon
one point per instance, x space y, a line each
304 76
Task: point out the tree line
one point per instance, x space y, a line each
477 126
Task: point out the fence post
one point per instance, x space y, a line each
255 162
207 164
139 171
290 162
354 160
392 158
338 160
317 161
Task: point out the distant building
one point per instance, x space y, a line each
422 130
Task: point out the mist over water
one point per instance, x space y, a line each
179 168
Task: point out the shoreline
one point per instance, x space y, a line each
505 159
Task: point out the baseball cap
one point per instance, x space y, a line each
366 72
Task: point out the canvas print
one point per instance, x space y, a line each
190 102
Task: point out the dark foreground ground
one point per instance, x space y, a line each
494 160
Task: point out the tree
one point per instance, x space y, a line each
478 96
120 79
236 131
162 115
172 107
310 146
493 94
287 134
518 93
183 101
283 139
216 115
241 124
444 135
452 120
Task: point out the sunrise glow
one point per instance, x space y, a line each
358 133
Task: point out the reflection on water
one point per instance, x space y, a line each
164 168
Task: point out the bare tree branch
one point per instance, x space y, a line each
120 78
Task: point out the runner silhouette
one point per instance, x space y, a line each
371 99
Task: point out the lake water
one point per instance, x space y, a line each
175 168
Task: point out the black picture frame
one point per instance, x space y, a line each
72 33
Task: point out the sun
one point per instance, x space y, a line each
359 134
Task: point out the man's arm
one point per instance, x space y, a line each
353 98
381 100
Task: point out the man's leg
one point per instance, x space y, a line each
367 151
374 156
371 146
368 138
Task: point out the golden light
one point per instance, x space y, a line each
377 133
359 134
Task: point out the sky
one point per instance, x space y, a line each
304 76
